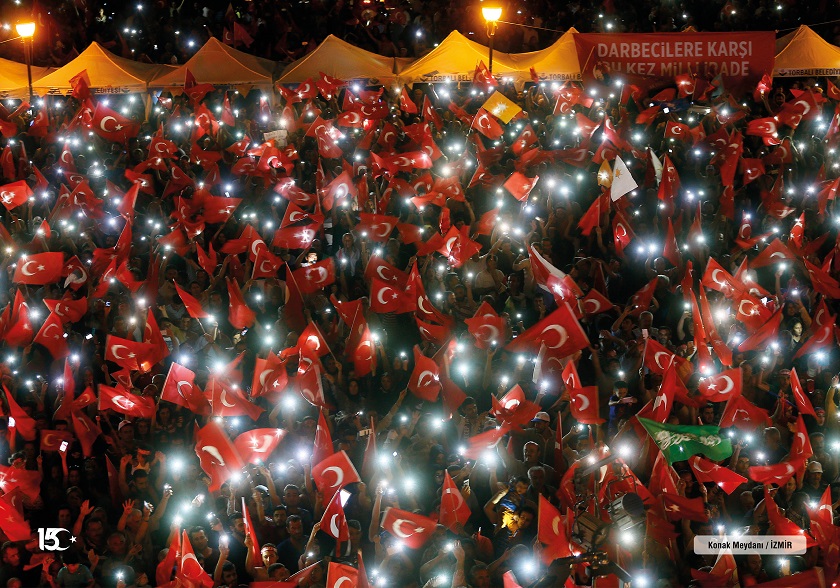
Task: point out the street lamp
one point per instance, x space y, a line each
26 30
491 14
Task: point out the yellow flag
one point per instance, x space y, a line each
500 107
605 175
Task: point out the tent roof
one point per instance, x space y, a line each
216 63
455 59
805 53
341 60
105 70
558 61
13 80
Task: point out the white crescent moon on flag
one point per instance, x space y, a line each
379 295
561 332
423 375
25 271
114 350
214 452
104 120
339 475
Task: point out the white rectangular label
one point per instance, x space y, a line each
747 544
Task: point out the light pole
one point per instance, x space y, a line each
491 14
26 30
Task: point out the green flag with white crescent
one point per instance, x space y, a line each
679 442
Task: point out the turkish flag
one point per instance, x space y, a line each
208 260
717 278
551 530
766 331
297 237
128 354
803 404
190 572
52 440
485 124
270 376
39 269
411 529
14 194
520 186
227 401
112 126
454 511
124 402
407 105
560 332
723 386
513 409
309 385
623 233
192 305
86 431
377 227
822 338
295 214
328 147
595 303
311 279
239 315
679 507
180 388
323 447
14 526
52 336
24 423
778 473
485 224
312 338
334 472
740 412
67 309
670 182
29 481
378 267
751 311
708 471
257 445
486 327
338 574
657 357
424 381
334 522
217 455
386 297
641 300
584 405
775 252
364 353
430 114
480 443
592 217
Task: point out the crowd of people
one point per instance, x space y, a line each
171 32
404 342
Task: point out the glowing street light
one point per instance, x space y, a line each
26 30
491 15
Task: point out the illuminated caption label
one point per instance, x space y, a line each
747 544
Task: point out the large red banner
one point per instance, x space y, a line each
647 58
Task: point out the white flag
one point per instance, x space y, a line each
657 165
622 180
